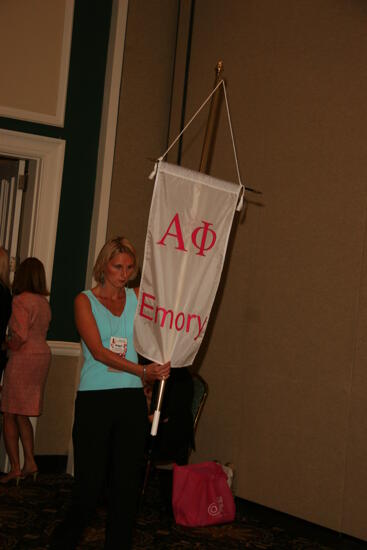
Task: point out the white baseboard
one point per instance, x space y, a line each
65 348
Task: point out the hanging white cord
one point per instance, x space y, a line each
221 82
191 119
232 136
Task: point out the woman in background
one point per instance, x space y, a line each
27 367
110 426
5 305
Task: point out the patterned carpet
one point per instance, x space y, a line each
29 513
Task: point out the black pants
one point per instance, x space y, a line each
109 438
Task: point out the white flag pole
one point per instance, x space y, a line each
157 412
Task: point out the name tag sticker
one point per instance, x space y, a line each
118 345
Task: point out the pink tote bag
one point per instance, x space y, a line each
201 495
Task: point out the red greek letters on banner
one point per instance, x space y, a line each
201 245
178 234
205 230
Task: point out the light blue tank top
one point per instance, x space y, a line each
95 375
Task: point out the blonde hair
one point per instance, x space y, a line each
117 245
4 267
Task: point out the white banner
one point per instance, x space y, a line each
188 229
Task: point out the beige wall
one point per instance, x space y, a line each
285 353
53 431
33 76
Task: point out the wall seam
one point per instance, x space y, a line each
186 80
352 370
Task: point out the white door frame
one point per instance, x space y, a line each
49 153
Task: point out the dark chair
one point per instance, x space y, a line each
199 398
154 459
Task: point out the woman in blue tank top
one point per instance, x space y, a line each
110 425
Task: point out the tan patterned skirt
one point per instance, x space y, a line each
24 383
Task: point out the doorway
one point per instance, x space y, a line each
46 170
18 198
29 205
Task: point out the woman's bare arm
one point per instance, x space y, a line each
88 330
